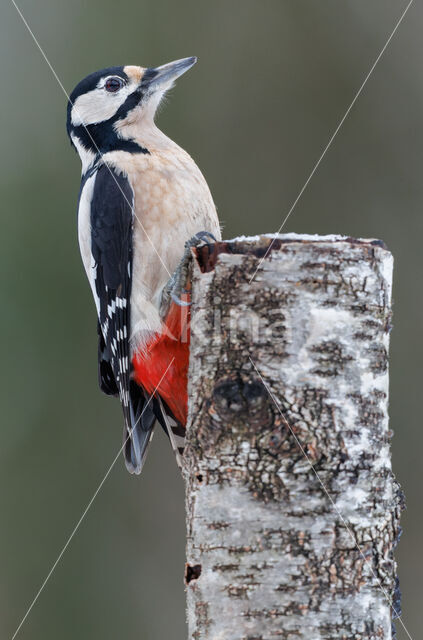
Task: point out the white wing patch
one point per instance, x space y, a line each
84 236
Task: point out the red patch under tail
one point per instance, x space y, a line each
168 351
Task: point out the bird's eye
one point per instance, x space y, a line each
113 84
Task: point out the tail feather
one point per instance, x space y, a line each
174 430
143 412
138 434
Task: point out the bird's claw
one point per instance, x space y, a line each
177 300
173 289
198 238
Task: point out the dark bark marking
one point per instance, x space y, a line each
192 572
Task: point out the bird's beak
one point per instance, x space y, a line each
164 76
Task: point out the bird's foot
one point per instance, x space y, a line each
175 289
199 238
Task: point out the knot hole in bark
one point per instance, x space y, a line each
235 399
192 572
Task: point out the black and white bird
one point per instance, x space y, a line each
141 199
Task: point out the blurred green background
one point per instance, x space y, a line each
273 80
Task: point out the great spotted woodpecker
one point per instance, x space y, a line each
141 199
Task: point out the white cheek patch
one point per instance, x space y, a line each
98 105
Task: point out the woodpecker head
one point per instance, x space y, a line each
104 107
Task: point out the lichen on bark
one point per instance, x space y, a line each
292 507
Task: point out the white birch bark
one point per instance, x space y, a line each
292 507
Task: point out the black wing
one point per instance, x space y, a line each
111 246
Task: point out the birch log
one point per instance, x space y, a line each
292 507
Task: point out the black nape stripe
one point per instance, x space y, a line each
102 137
